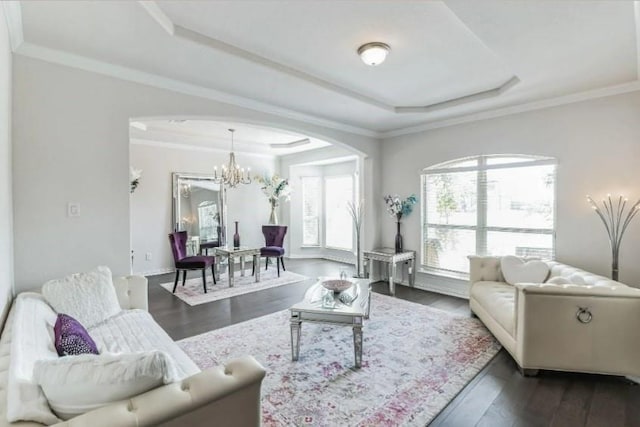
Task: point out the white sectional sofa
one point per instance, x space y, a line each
590 325
223 396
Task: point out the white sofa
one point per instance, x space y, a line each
225 396
590 325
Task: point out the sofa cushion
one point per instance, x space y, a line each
518 270
497 298
74 385
71 338
559 280
132 331
89 297
31 340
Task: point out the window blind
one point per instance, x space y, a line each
487 205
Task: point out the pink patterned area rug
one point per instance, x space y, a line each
193 293
415 360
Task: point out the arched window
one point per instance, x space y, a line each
487 205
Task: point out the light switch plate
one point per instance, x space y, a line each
73 209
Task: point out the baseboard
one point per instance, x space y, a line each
327 257
440 290
342 260
155 272
431 287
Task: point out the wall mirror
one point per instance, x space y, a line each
199 208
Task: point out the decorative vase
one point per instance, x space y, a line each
398 240
236 238
273 218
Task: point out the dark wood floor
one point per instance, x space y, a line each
497 396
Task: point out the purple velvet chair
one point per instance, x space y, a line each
274 238
183 262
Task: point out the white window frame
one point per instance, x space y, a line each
319 214
324 196
481 229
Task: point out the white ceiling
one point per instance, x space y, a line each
215 135
300 56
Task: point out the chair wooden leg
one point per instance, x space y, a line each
282 262
213 273
278 265
184 276
175 284
266 263
204 279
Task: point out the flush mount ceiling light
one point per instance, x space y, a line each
374 53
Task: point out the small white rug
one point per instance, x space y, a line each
193 294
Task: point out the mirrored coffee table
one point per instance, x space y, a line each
348 308
232 254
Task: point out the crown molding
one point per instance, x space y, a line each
636 16
190 147
13 16
160 17
516 109
491 93
72 60
196 37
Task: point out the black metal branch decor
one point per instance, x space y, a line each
616 217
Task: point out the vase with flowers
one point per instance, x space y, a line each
276 189
399 208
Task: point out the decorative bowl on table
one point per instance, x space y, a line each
337 285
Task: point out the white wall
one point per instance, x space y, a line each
596 143
6 206
71 144
151 208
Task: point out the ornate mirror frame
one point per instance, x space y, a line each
185 182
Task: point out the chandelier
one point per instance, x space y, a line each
232 175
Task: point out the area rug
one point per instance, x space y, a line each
415 360
193 294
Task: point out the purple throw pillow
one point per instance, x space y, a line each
71 338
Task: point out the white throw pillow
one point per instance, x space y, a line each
559 280
516 270
31 340
74 385
89 297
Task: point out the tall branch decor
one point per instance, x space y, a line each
616 217
356 210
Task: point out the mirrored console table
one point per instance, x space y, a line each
389 256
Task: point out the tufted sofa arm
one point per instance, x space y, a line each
222 396
578 328
132 292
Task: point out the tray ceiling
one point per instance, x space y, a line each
448 59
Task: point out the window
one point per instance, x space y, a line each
311 210
339 228
487 205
